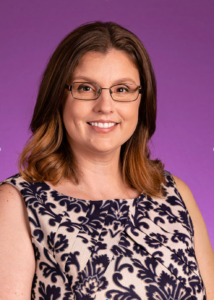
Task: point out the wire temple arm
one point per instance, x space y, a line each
68 87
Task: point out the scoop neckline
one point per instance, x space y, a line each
89 201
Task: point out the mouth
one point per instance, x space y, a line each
102 125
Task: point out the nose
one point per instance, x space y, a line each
104 102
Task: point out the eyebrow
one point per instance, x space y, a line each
121 80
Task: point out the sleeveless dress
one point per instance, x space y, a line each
118 249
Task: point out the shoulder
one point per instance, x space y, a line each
181 184
203 248
186 195
16 184
11 181
9 190
183 191
190 203
15 238
12 206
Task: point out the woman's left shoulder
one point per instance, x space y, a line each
191 205
203 248
186 195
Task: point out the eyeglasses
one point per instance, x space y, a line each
91 91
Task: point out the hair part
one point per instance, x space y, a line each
47 154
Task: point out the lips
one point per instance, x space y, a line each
102 122
102 125
99 129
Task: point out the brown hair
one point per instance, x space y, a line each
47 154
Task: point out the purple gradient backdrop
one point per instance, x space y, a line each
179 36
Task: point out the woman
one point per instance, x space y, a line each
90 215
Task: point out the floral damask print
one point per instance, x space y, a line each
181 259
115 249
51 268
49 292
156 240
168 289
123 292
91 279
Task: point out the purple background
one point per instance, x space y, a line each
179 36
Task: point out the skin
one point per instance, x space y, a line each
98 153
98 159
203 248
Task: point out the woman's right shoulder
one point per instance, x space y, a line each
9 191
7 187
12 180
16 251
12 205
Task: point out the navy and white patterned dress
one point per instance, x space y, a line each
118 249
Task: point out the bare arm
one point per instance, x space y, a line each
203 248
17 261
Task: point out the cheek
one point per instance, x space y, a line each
73 111
134 118
74 117
69 118
132 114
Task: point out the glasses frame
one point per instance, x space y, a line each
69 88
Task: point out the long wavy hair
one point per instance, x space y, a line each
47 154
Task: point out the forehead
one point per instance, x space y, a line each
111 54
109 65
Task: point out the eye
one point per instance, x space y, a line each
121 89
85 88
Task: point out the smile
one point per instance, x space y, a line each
102 125
99 127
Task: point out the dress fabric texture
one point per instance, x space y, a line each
118 249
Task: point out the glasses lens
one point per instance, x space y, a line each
85 90
125 92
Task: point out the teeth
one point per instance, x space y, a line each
102 125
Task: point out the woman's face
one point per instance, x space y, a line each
105 70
